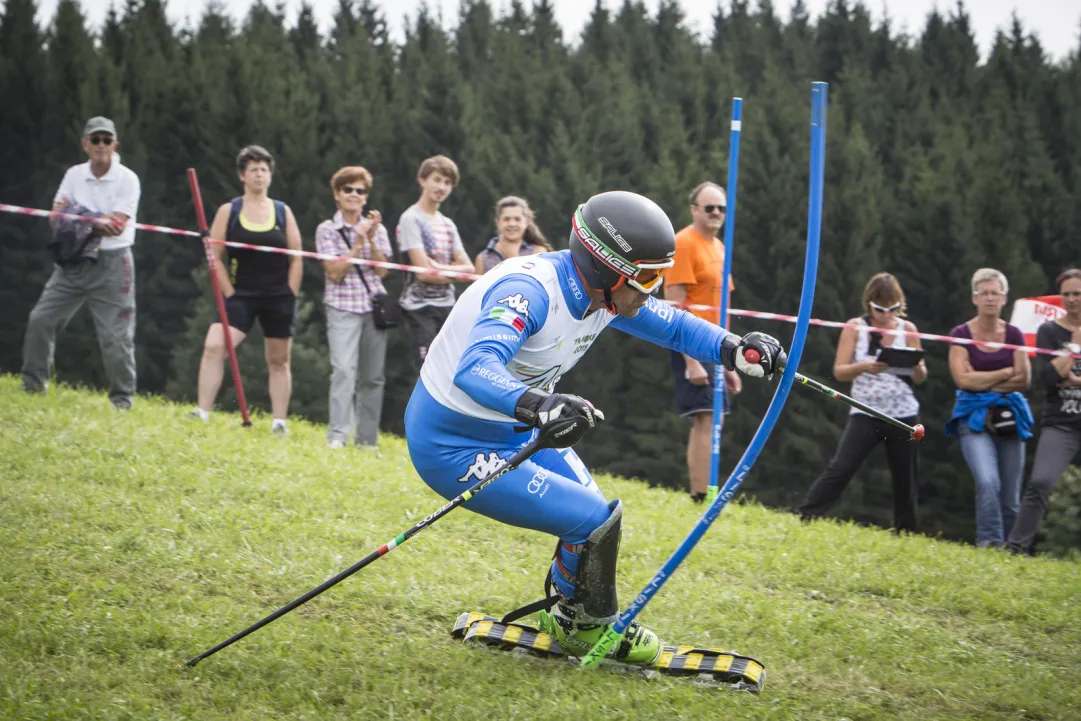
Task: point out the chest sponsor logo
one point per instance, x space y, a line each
519 304
508 316
575 290
615 234
582 343
483 466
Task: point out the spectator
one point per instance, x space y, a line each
1060 432
430 239
695 279
263 287
518 235
882 326
358 348
106 188
991 417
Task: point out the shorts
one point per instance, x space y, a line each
691 399
276 314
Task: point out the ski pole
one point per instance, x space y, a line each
819 98
720 385
916 432
516 460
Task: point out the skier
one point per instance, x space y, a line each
493 369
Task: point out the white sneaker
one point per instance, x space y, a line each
197 415
336 445
278 427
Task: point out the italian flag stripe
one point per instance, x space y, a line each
508 316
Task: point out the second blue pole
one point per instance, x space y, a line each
720 388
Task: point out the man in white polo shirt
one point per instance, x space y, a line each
107 284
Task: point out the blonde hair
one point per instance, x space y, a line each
439 164
532 234
990 274
884 289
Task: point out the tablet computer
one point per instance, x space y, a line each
900 359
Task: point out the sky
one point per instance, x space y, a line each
1057 23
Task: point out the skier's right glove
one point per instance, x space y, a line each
770 355
562 419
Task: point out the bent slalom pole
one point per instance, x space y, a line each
212 264
819 96
720 383
516 460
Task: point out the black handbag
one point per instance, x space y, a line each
385 311
1001 422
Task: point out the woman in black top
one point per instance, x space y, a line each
1060 435
256 285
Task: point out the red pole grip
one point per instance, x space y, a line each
219 300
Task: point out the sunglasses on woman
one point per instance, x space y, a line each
358 189
886 309
101 139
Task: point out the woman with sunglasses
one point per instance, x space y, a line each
518 235
491 373
358 347
882 326
1060 425
991 417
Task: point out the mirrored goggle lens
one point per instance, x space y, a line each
647 281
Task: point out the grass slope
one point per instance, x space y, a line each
133 541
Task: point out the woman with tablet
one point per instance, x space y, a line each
991 417
1060 424
883 363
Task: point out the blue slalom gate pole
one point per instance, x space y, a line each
819 99
720 388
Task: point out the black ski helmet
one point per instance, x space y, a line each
617 234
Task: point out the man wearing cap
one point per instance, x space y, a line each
107 284
695 279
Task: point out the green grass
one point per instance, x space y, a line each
133 541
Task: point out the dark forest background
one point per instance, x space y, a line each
938 163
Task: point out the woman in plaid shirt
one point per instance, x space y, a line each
357 348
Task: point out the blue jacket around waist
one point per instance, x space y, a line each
974 408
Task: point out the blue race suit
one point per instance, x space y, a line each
524 324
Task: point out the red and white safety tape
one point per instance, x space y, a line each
470 277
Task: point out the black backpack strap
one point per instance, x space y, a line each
279 214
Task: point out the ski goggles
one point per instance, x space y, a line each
645 276
886 309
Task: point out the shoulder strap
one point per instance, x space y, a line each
280 214
345 237
234 212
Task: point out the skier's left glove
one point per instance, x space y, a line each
771 356
562 419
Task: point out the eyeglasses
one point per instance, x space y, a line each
635 275
358 189
101 139
986 293
882 309
710 208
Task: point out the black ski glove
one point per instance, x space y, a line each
562 419
771 356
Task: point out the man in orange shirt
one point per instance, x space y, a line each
695 279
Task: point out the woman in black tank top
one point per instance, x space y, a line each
257 286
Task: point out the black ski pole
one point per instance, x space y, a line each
516 460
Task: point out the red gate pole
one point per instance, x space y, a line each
212 264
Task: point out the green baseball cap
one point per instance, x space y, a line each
100 124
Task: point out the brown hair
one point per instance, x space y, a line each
702 186
439 164
349 175
532 234
253 154
1067 275
883 289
